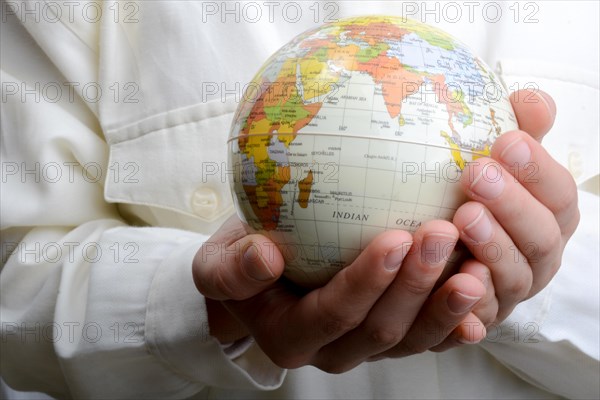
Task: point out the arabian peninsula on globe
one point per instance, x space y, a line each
357 127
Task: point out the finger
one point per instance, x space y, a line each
491 245
324 314
389 319
233 265
531 226
487 308
441 314
471 330
535 111
548 181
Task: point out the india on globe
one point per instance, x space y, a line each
356 127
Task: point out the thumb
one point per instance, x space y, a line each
237 270
535 111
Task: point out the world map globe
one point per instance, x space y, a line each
357 127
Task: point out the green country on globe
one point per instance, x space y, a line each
357 127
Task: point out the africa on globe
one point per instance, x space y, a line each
356 127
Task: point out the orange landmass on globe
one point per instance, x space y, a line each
305 186
397 83
278 110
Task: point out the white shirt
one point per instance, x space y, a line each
110 184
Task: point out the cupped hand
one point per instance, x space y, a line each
382 302
522 213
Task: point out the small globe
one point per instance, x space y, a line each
357 127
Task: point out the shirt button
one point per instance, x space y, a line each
205 202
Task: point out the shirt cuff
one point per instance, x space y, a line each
177 333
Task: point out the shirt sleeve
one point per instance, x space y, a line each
91 307
111 311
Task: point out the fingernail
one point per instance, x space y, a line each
516 154
489 184
460 303
548 101
437 248
393 259
480 230
255 265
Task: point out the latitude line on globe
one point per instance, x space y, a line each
439 146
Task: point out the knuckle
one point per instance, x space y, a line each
416 286
567 199
234 234
515 210
549 247
417 348
378 286
359 283
551 270
336 323
518 289
336 320
382 337
555 266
